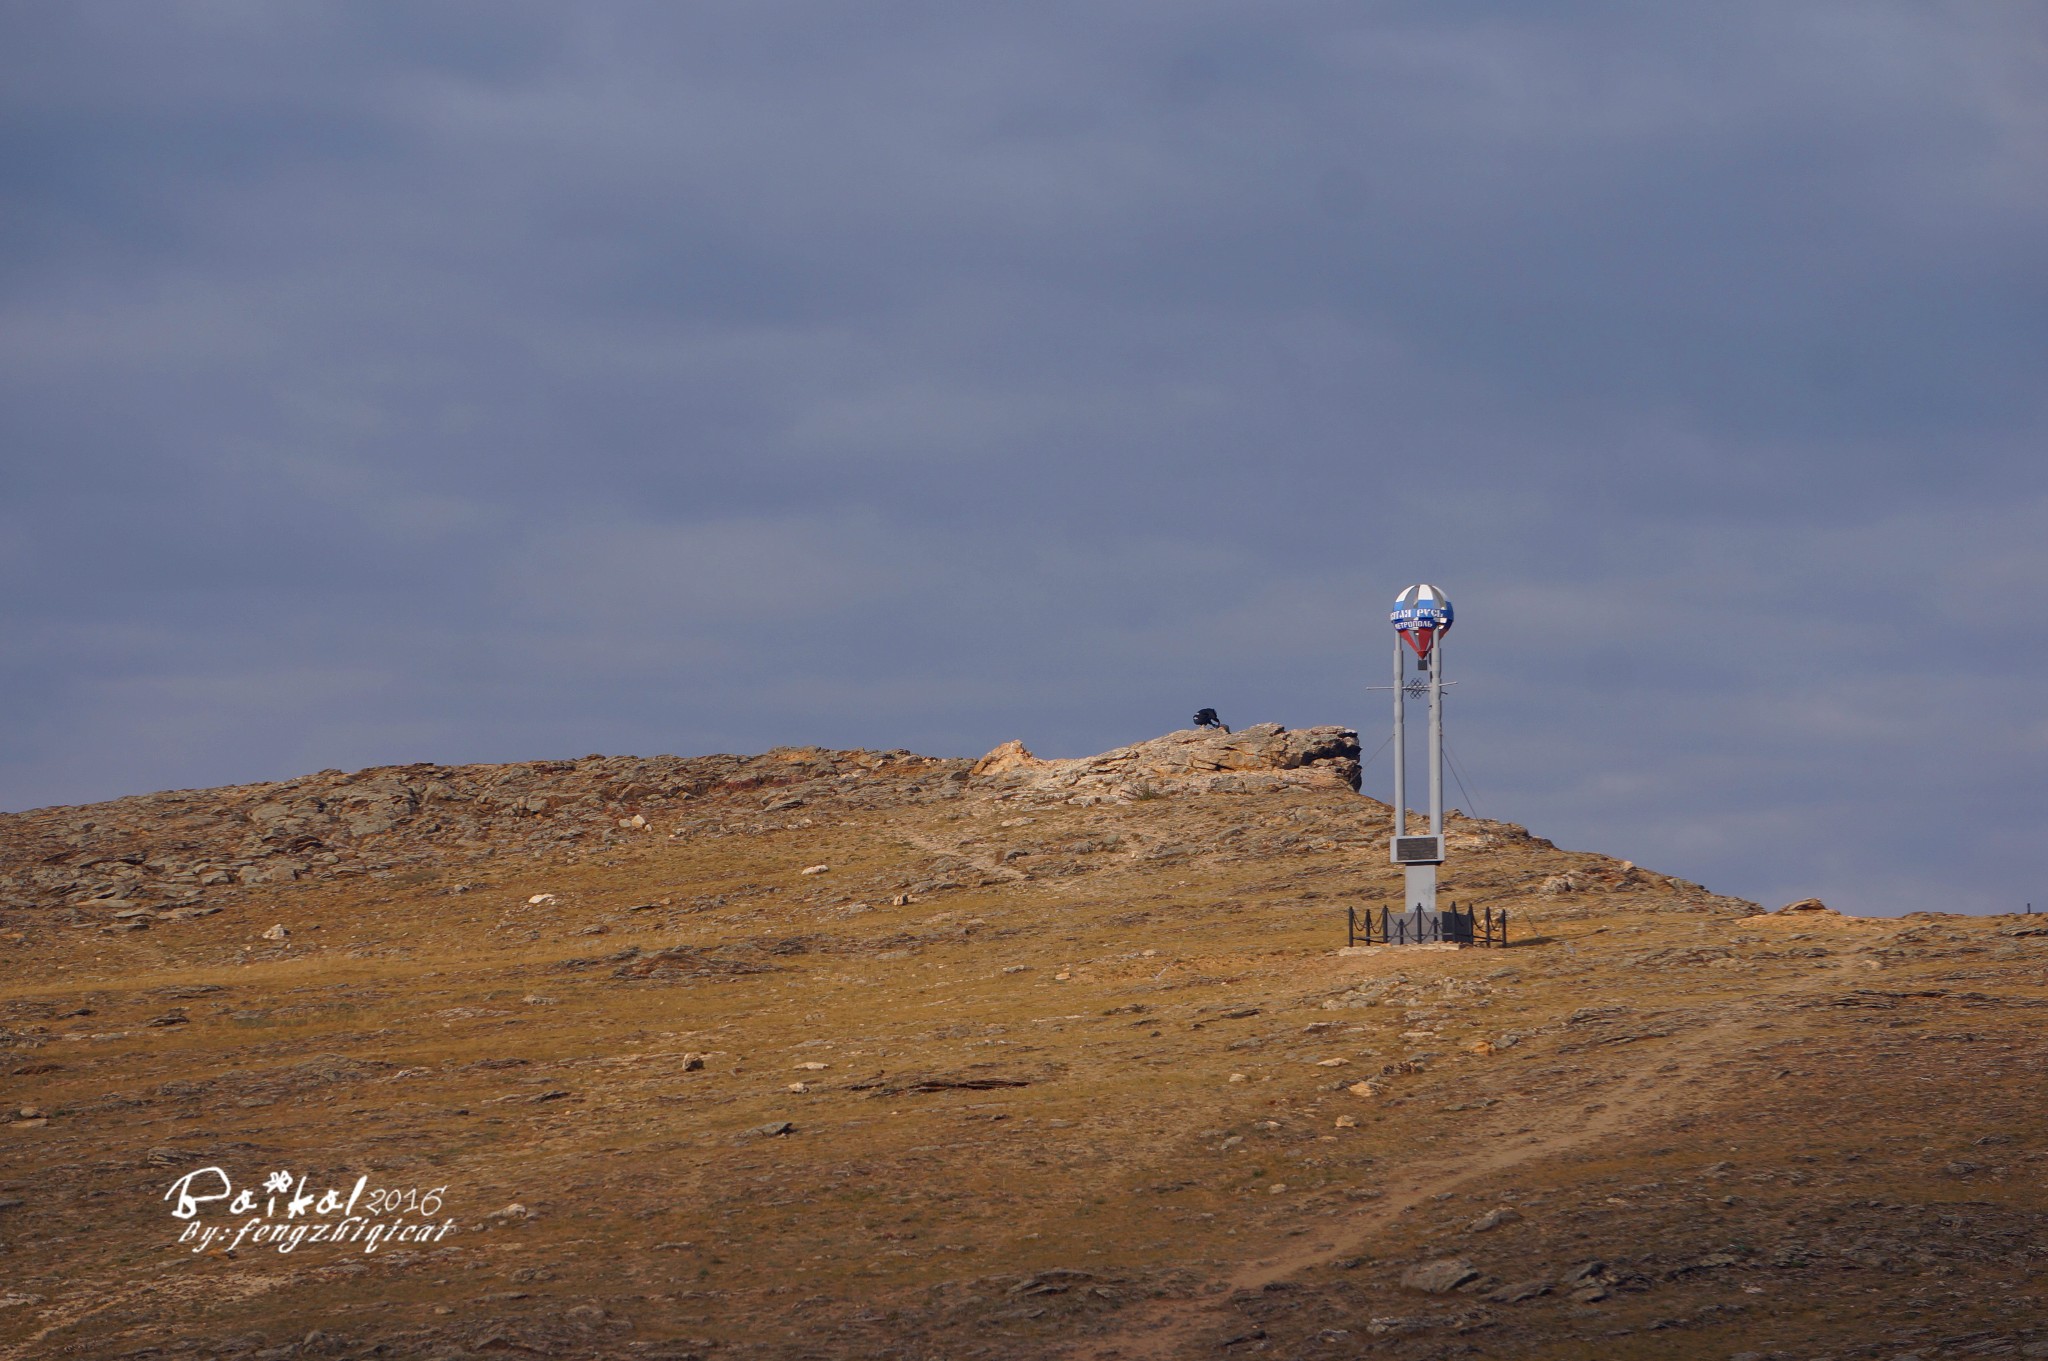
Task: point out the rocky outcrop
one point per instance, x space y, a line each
1258 759
136 860
131 859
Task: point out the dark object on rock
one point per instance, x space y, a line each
1206 718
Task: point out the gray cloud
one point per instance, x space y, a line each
393 382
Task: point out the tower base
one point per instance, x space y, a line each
1419 889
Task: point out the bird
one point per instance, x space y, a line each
1206 718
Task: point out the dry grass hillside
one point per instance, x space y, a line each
857 1054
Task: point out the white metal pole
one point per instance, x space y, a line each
1436 737
1400 746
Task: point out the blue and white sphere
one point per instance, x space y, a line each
1423 609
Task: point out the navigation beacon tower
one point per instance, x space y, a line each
1422 616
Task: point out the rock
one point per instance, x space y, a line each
816 869
1515 1294
774 1129
797 1087
1347 1122
1011 755
1363 1089
1493 1219
1807 905
1582 1273
692 1062
277 932
813 1066
1201 761
540 900
1558 884
273 872
1239 1077
1440 1277
1056 1281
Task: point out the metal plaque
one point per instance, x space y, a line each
1418 850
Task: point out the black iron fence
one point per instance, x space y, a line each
1417 927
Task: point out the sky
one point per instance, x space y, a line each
425 381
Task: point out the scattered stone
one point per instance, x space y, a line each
1055 1281
774 1129
1494 1218
692 1062
541 900
1440 1277
1347 1122
277 932
1524 1290
816 869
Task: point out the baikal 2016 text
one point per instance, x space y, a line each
285 1215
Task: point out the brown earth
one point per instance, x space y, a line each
1057 1059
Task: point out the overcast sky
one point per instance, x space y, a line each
496 381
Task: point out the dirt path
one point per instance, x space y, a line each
1661 1080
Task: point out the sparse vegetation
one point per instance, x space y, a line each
1118 1095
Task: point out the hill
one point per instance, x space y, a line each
866 1054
